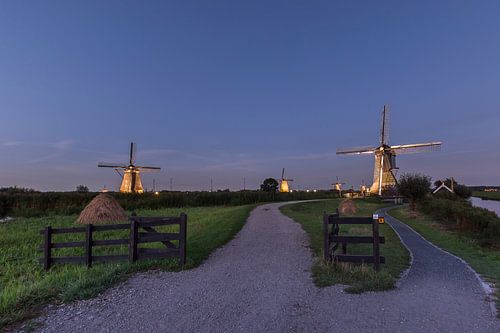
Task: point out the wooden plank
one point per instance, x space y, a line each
121 226
47 260
357 258
154 219
133 241
350 220
326 238
110 242
66 230
376 246
183 239
63 245
158 223
88 245
157 237
356 239
117 257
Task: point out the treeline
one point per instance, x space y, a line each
35 204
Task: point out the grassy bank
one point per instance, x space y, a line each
486 195
360 278
486 261
25 286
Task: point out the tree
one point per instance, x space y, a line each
269 185
414 187
82 189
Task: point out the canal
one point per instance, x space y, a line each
493 205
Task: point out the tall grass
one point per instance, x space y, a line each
25 286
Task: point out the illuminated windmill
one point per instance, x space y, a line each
384 174
131 181
337 186
284 182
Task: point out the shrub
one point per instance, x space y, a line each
414 187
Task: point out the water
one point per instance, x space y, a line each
492 205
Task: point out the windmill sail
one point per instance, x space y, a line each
417 148
356 150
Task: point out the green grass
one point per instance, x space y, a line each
360 278
25 286
486 195
485 261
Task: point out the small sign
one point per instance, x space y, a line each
381 220
375 216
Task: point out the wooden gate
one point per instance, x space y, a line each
136 237
332 240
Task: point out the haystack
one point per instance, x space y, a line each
102 209
347 206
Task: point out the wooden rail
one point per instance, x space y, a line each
135 238
332 240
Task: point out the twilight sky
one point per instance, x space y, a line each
234 89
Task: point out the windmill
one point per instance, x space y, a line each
284 182
337 186
384 174
131 180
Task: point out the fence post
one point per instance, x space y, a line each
326 238
376 247
47 248
132 254
183 237
88 245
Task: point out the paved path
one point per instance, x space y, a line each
260 281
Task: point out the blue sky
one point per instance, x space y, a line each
234 89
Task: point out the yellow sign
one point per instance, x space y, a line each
381 220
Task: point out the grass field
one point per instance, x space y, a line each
25 286
487 195
360 278
485 261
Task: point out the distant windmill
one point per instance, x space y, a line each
337 186
284 182
385 155
131 181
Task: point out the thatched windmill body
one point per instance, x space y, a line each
131 180
384 173
284 187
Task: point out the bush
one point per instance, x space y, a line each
473 221
414 187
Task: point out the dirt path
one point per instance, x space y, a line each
260 281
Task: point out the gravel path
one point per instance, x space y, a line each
260 281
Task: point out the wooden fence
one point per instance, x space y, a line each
136 237
332 240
